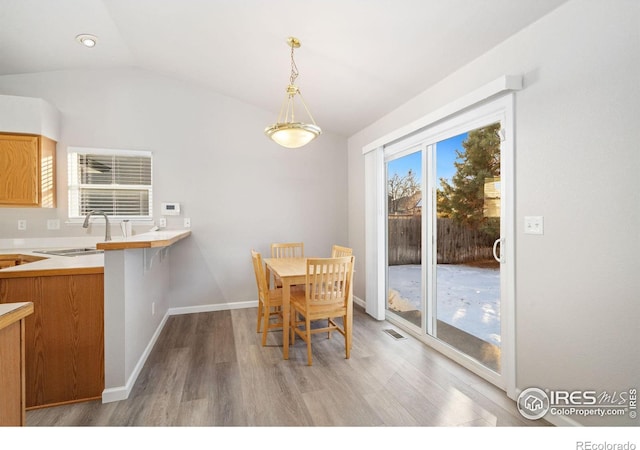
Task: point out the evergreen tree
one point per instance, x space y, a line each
463 199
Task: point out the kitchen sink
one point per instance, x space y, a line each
71 251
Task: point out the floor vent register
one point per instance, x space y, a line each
394 334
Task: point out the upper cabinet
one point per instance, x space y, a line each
27 171
29 129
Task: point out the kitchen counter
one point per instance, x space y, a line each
12 312
152 239
52 265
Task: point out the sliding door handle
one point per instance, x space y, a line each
495 250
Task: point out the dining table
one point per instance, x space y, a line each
291 272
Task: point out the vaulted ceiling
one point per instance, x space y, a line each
359 59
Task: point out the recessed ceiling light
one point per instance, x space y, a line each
88 40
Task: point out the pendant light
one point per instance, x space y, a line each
287 132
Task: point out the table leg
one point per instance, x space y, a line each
286 297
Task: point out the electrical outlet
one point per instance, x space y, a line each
53 224
22 224
187 222
162 222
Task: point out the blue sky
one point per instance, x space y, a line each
445 157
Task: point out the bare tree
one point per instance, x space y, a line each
401 189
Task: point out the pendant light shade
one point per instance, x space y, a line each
288 132
293 134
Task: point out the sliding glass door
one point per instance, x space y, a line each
445 273
465 227
405 274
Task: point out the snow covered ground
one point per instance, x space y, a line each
468 297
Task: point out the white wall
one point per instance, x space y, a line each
577 163
240 190
137 286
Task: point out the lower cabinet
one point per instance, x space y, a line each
64 337
12 391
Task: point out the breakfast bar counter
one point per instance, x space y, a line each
152 239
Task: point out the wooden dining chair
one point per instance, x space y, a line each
269 300
338 251
287 250
326 296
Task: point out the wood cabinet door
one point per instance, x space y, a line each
64 336
11 406
19 170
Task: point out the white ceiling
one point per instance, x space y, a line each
359 59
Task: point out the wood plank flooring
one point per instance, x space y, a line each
209 369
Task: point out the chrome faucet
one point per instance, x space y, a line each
107 232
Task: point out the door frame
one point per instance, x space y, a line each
495 110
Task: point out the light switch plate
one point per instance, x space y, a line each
53 224
534 225
187 222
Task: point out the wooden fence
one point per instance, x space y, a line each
457 243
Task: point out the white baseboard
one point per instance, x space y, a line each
358 301
209 308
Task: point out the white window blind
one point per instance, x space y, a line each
117 182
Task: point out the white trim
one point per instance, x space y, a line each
211 307
500 85
507 250
109 151
75 187
375 209
360 302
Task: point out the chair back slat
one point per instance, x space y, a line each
338 251
328 281
287 250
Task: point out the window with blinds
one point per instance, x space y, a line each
117 182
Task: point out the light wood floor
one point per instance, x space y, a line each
208 369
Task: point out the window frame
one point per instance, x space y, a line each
74 187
